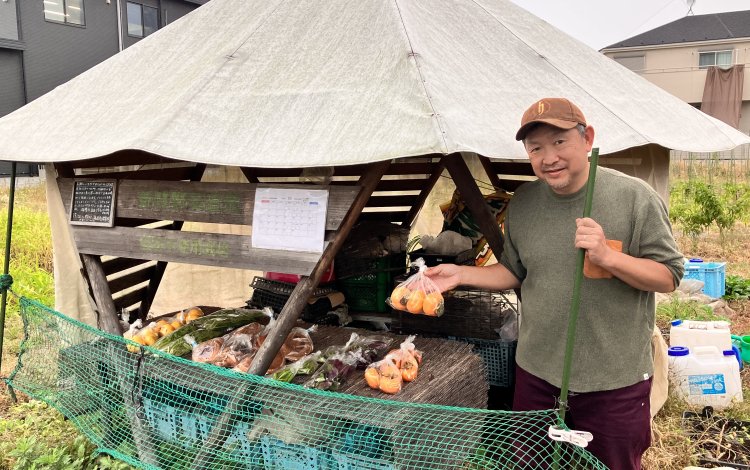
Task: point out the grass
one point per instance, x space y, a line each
31 432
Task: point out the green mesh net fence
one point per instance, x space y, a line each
154 410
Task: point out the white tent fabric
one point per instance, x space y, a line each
273 83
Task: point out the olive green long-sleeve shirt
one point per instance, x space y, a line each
616 321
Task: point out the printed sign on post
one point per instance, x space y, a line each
290 219
93 203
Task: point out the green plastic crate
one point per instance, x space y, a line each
367 291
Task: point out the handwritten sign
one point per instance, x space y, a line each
93 203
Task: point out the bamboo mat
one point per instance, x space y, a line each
450 374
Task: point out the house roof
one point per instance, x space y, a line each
713 27
272 83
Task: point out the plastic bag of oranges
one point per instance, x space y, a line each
418 294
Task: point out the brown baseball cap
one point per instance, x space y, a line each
558 112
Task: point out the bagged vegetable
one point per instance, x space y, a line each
418 294
398 366
334 371
407 358
299 343
384 375
303 366
207 327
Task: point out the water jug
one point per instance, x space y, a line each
693 333
705 376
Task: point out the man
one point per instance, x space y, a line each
630 254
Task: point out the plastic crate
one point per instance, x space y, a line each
274 294
280 455
469 313
712 274
499 359
185 417
433 259
367 291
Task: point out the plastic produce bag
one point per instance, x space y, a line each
418 294
303 366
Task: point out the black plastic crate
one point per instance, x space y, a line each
433 259
274 294
470 313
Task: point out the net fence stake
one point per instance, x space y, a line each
6 265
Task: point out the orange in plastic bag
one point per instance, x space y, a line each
418 294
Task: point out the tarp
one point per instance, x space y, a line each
273 83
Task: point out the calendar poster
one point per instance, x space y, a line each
290 219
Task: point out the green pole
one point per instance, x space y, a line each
6 263
574 306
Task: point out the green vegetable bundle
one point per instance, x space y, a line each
207 327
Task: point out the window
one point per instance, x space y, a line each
64 11
8 20
633 63
721 59
142 20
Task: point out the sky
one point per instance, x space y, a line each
600 23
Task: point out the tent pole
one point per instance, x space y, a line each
5 279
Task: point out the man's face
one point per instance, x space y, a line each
560 157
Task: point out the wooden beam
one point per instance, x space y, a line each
131 298
107 320
249 174
288 317
392 201
125 158
491 173
474 200
513 168
226 203
411 184
115 265
437 172
390 216
168 174
207 249
131 279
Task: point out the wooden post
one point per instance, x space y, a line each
108 320
474 200
487 165
289 315
304 289
417 206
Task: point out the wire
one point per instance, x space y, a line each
650 18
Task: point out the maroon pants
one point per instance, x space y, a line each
619 419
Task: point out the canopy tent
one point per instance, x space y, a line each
317 83
275 84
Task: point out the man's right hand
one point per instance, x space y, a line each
445 276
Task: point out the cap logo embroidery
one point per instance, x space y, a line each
541 108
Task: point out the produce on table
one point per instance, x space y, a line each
404 362
150 334
207 327
340 362
303 366
299 343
